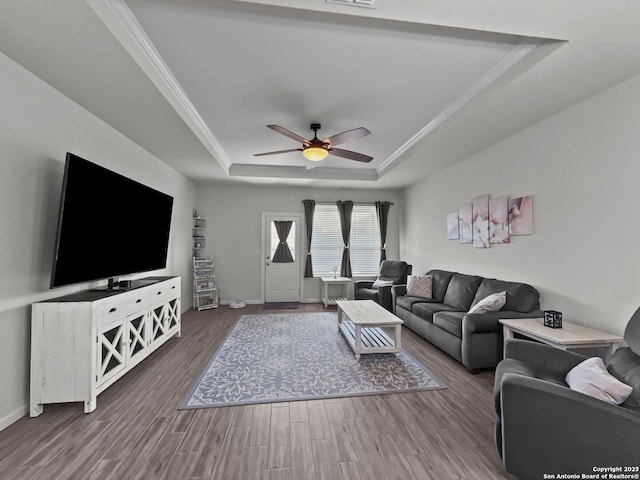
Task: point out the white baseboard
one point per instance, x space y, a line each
248 302
260 302
14 416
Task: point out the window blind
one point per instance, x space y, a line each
327 245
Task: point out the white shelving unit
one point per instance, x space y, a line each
199 226
205 291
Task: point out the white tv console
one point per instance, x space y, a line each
83 342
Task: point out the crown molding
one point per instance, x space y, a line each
318 173
515 55
124 26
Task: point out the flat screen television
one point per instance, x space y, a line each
109 225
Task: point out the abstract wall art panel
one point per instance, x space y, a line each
481 221
465 227
521 215
499 220
452 226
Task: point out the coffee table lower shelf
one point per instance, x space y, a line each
371 339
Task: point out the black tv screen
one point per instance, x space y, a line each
109 225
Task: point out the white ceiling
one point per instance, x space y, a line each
195 82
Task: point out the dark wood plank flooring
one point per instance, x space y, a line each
138 433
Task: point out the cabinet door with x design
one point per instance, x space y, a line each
111 352
137 337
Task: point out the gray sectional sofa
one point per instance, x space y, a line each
474 339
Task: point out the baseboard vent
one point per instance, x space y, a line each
354 3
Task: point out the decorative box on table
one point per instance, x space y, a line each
552 319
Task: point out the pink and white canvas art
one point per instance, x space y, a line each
481 221
452 226
521 215
499 220
465 226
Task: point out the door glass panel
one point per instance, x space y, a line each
291 240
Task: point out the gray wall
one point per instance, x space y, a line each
583 168
38 125
234 222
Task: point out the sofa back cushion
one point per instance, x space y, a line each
632 332
520 296
624 364
394 271
462 290
441 279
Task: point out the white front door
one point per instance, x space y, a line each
282 276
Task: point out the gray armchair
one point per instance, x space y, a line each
394 271
543 426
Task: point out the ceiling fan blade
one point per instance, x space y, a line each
359 157
277 152
340 138
288 133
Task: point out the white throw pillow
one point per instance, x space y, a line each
381 283
492 303
420 285
592 378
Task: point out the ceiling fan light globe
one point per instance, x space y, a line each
315 154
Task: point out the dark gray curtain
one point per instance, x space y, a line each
344 212
309 208
382 210
282 253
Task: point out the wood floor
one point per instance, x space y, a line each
138 433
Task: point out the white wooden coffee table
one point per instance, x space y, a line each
363 327
570 336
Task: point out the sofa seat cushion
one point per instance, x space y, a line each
625 366
461 291
426 310
521 297
407 301
450 322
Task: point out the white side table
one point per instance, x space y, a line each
344 282
570 336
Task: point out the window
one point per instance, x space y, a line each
365 240
327 246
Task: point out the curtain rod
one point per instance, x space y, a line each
355 203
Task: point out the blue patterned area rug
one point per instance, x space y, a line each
271 358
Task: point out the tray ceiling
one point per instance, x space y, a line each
196 81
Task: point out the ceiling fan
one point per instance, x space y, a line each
316 149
